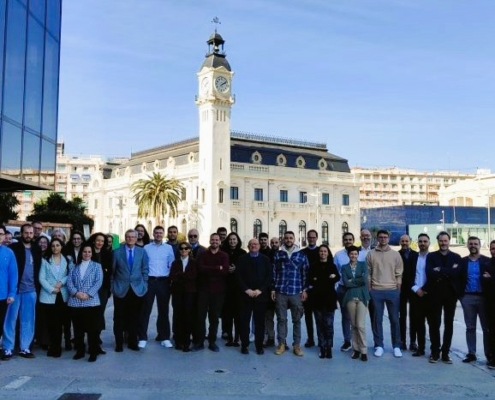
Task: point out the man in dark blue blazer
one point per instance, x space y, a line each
129 284
443 286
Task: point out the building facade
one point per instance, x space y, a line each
247 183
29 83
392 186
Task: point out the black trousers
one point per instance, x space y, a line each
158 288
231 311
211 304
406 298
420 307
308 319
55 315
3 312
103 294
251 307
126 312
490 316
445 302
183 317
86 319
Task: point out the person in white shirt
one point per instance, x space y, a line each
161 255
420 301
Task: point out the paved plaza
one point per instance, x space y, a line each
159 373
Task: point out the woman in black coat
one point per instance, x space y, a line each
321 280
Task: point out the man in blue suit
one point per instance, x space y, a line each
129 285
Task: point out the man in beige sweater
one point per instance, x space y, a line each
385 278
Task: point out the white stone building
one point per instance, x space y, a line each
247 183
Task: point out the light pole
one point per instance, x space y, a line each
443 220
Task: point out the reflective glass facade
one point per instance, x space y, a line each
29 80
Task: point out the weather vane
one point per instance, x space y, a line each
217 22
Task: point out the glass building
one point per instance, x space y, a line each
29 86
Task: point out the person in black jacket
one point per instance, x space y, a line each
322 277
443 288
409 259
488 288
254 275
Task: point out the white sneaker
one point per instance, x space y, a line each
397 352
378 351
142 344
167 343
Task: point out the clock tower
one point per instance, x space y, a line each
214 101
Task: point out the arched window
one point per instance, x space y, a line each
324 232
257 228
233 225
345 227
302 233
282 228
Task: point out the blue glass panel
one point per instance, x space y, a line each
11 149
23 2
3 5
37 8
34 75
48 154
31 157
14 61
53 17
50 95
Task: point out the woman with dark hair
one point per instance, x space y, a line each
321 280
356 299
74 246
43 243
143 235
83 283
231 306
183 273
102 256
53 294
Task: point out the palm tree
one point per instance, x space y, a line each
156 196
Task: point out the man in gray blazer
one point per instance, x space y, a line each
129 284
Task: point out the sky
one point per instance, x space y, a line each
405 83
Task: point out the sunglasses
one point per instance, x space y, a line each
184 248
193 236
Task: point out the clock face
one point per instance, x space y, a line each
222 84
205 85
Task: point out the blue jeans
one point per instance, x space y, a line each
391 299
23 308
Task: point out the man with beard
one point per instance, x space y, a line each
213 269
420 299
172 233
23 307
290 267
443 288
473 305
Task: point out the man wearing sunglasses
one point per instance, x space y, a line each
196 248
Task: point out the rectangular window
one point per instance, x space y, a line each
345 199
220 195
234 193
258 194
284 196
303 197
325 199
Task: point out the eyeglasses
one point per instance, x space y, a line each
192 236
184 248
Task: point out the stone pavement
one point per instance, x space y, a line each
159 373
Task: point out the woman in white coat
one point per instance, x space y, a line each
53 294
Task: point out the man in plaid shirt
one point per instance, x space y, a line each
290 267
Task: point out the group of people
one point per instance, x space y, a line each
47 286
